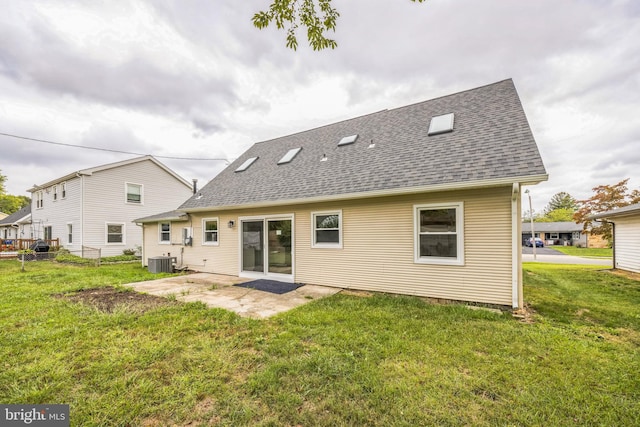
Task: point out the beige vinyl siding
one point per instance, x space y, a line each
377 251
627 243
105 202
221 259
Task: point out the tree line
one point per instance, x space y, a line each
9 203
564 207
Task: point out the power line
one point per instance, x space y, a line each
107 149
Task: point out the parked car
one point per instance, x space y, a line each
539 242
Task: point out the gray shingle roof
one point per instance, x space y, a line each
625 210
491 142
167 216
552 227
16 216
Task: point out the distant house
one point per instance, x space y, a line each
563 234
94 207
16 225
626 236
403 201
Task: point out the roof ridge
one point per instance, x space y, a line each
385 111
452 94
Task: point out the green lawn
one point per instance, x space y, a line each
341 361
584 252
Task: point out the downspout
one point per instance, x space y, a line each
143 245
517 299
613 242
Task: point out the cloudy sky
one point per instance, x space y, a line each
195 79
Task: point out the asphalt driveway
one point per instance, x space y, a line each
552 256
541 251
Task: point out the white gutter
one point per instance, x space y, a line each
526 180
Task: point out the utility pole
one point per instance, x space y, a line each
533 235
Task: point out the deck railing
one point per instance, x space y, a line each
11 245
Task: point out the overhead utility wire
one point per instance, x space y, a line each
107 149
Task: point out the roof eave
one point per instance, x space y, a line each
613 214
154 220
522 180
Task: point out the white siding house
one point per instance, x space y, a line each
94 208
17 225
626 236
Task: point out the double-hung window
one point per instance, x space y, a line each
439 233
134 193
326 229
115 233
210 231
69 233
39 200
165 232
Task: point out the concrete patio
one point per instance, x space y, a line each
217 291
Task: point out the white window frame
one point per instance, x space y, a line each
39 199
47 232
314 243
55 192
124 234
459 259
69 233
204 232
63 187
161 232
126 193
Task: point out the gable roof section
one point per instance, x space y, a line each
91 171
491 144
16 217
623 211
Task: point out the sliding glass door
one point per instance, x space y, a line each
267 247
253 246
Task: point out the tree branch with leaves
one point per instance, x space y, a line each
605 198
319 17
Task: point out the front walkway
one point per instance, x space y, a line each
216 290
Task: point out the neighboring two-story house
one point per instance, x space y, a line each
95 207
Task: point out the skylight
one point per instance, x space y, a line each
348 140
289 156
441 124
246 164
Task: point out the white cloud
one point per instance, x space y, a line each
195 79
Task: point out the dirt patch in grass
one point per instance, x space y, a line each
627 274
110 299
524 314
